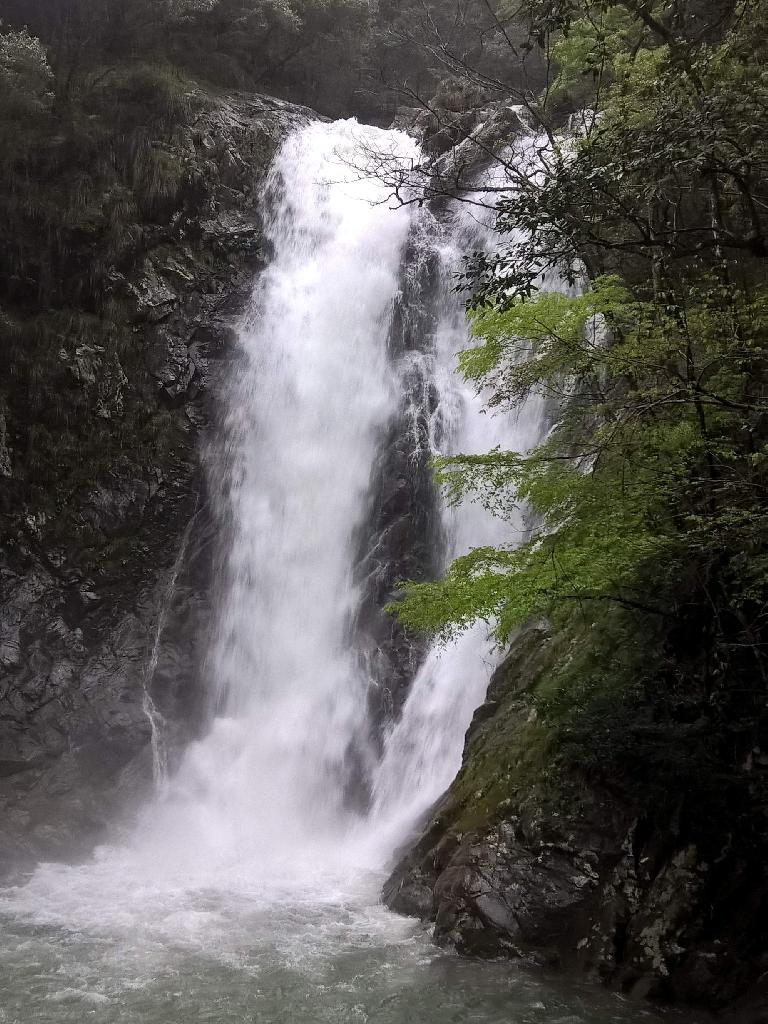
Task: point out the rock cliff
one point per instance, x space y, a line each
645 872
92 634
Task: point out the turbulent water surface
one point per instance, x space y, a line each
248 890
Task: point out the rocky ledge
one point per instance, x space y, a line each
531 856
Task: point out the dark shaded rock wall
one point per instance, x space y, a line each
524 858
85 572
401 539
402 535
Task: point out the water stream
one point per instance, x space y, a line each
248 890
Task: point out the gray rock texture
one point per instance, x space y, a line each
525 858
86 562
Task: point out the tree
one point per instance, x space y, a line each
651 491
26 79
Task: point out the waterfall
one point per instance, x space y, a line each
312 390
249 887
317 383
317 380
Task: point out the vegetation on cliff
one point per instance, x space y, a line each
628 723
651 490
90 188
649 494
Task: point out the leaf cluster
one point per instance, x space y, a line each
650 491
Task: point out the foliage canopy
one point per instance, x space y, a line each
650 492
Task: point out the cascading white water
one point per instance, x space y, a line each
422 753
247 891
312 391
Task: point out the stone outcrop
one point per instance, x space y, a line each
527 858
461 130
85 568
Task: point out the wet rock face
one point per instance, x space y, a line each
581 878
84 576
72 716
402 535
460 132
